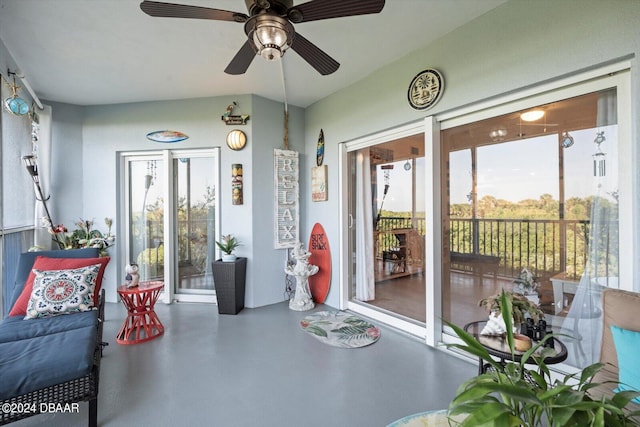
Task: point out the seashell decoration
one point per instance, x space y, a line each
495 325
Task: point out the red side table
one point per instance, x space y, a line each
142 323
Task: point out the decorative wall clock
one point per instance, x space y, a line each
425 89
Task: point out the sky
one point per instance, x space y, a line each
526 169
513 171
399 196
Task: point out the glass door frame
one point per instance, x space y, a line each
214 153
169 221
613 75
346 224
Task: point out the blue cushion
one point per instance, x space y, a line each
627 344
35 363
25 263
16 328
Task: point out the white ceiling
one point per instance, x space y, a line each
91 52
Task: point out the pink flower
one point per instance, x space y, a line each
60 229
304 323
373 332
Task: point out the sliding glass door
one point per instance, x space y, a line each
535 195
195 180
387 229
179 246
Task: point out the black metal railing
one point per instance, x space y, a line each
545 247
388 241
195 245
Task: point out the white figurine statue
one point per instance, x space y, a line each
301 270
133 277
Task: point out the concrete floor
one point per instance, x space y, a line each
259 368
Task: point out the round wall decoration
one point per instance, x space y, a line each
425 89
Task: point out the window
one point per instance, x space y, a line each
539 195
16 210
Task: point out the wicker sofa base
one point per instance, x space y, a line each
59 397
63 396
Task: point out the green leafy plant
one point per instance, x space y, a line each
521 307
84 236
228 244
511 394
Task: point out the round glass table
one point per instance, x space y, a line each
435 418
496 345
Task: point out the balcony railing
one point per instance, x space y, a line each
195 245
388 241
545 247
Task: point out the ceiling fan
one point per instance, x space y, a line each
269 26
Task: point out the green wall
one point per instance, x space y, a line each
109 129
514 47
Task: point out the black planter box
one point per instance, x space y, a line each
229 281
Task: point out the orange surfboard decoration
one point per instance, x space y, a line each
320 282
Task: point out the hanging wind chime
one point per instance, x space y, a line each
15 104
599 162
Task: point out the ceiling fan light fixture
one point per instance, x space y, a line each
498 134
271 36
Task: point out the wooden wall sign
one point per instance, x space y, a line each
234 119
319 183
237 197
286 191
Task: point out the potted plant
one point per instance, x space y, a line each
229 275
228 244
521 307
527 284
510 394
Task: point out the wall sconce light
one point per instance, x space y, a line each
32 167
236 140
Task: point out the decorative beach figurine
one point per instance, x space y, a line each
301 301
133 277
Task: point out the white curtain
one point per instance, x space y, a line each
42 149
365 280
583 323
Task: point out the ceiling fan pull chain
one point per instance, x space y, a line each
286 109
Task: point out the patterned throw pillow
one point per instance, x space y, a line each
62 291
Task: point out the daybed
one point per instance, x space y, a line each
50 363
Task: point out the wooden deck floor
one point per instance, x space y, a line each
406 296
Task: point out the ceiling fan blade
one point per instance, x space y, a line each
240 63
173 10
325 9
323 63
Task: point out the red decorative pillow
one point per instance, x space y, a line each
47 264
